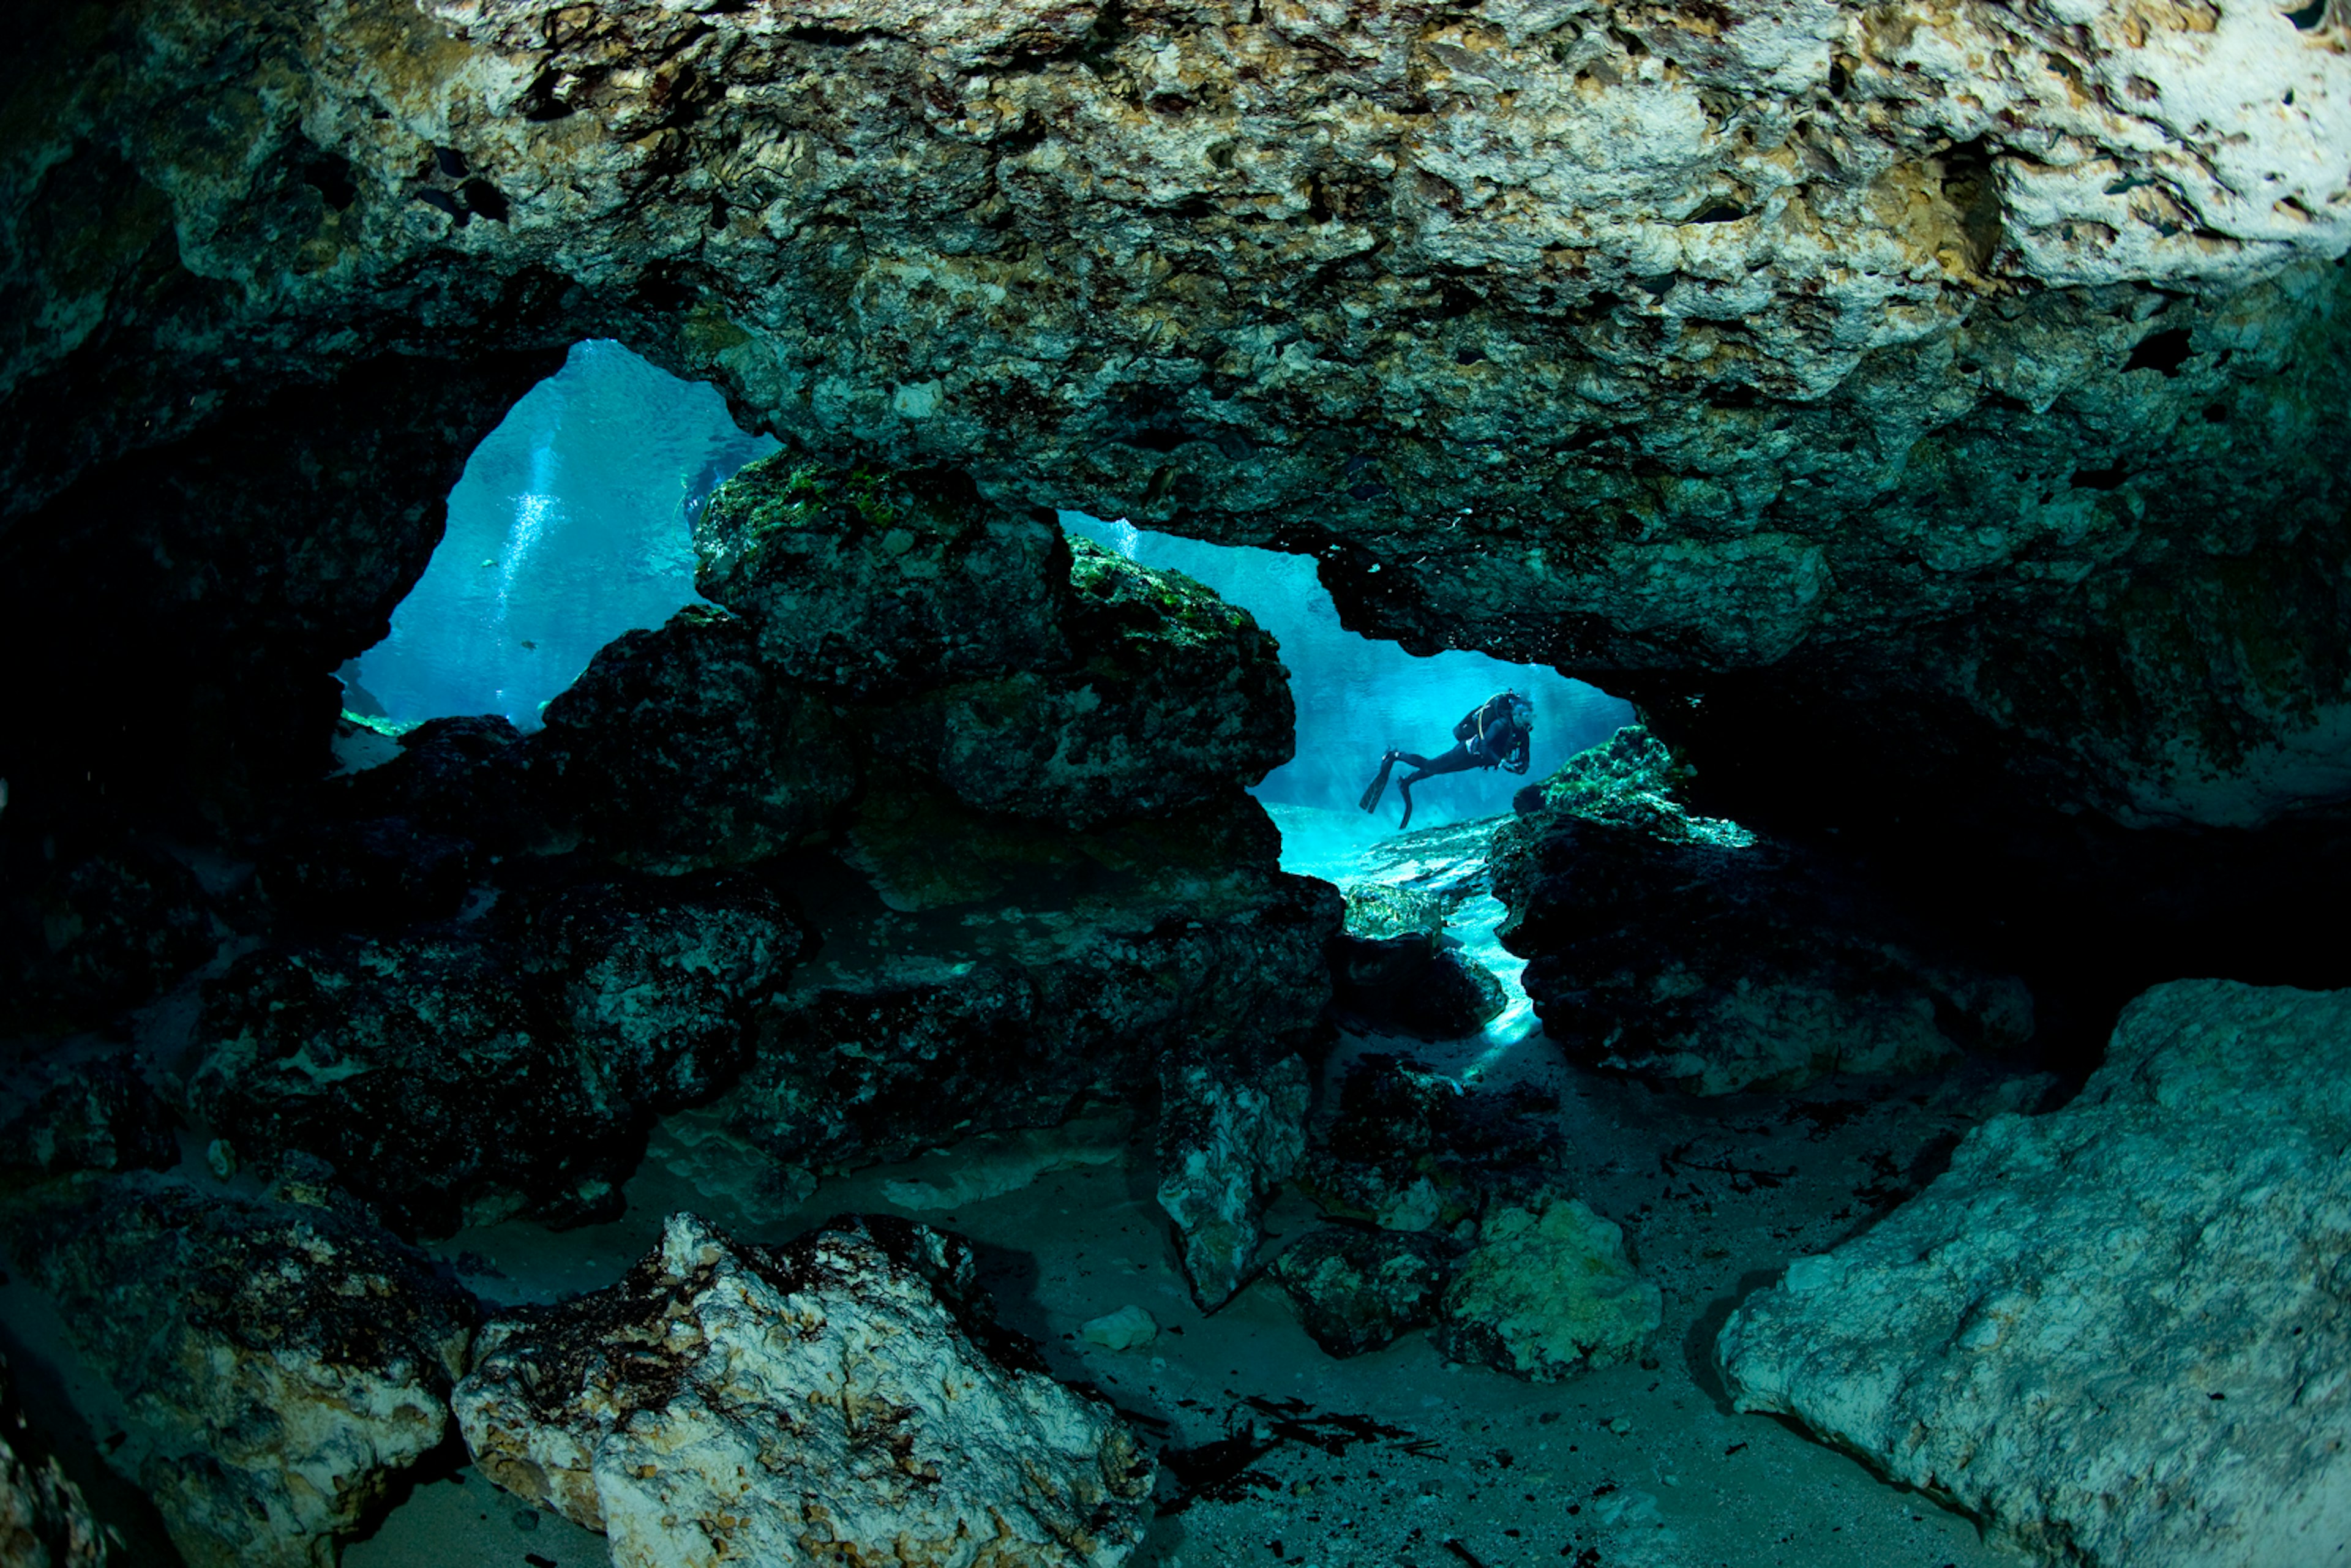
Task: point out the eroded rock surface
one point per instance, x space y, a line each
98 1113
844 1397
679 749
1410 1148
1695 953
45 1522
1548 1293
2116 1331
1357 1290
283 1362
1899 354
460 1073
1227 1138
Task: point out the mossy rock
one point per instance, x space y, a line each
1548 1292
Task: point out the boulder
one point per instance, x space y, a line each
378 873
1359 1290
282 1362
1693 952
465 777
679 748
2116 1333
1225 1140
98 1113
1548 1291
866 583
843 1397
1174 697
1412 1149
45 1522
461 1073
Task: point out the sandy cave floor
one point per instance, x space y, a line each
1397 1458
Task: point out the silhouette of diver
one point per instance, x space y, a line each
1496 733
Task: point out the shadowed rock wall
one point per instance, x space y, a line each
1968 366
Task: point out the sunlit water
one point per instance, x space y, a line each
572 524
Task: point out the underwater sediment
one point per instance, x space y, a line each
1930 417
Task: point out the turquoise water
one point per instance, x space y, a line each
571 526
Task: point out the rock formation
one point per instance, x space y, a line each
1547 1292
462 1072
844 1397
2116 1331
1358 1289
43 1520
1896 359
284 1362
1697 953
100 1114
1225 1144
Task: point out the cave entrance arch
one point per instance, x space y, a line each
1357 695
572 525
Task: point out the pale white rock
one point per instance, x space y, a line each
1122 1329
843 1398
2118 1333
1224 1143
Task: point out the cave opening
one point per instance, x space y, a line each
572 524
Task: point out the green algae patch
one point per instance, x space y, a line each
1632 779
1548 1292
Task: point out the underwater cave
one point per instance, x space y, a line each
706 723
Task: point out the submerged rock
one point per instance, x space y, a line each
2117 1332
1174 697
869 582
679 749
377 874
1359 1290
282 1362
1413 1149
88 938
463 1073
976 975
1695 953
45 1522
462 778
1225 1143
97 1115
842 1396
1548 1293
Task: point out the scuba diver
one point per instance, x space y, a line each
1496 733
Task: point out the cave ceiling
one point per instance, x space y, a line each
1975 368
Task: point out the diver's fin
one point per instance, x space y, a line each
1406 821
1378 786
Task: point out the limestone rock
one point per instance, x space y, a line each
100 1114
1128 1328
867 582
282 1362
1697 953
95 933
1358 1289
842 1396
461 1073
379 873
1412 1149
2116 1331
678 749
1873 350
460 778
978 975
1174 696
1547 1292
45 1522
1225 1142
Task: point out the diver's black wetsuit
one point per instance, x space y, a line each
1489 736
